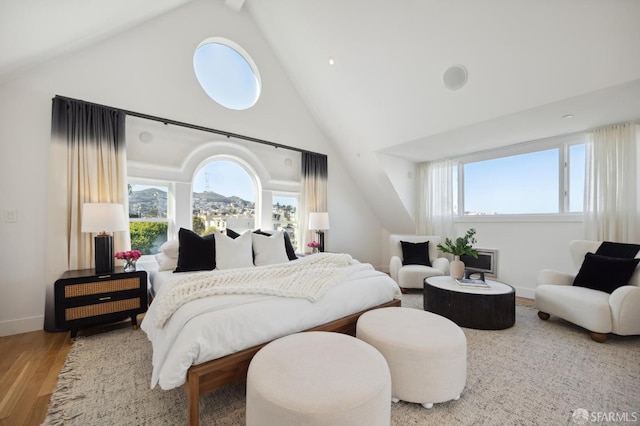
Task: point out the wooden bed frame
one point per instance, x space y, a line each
215 374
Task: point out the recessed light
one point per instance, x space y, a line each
568 116
332 61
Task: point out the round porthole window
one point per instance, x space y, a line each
227 73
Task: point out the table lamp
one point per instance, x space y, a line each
319 221
101 218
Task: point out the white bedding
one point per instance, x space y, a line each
215 326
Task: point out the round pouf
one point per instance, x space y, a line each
318 378
426 353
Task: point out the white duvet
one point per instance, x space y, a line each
208 328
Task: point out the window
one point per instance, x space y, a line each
148 219
577 166
519 184
549 180
227 73
223 197
285 216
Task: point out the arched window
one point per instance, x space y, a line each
224 196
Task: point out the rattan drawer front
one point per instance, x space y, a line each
97 287
102 308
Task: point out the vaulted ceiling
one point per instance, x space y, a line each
529 64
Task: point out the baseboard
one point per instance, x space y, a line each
22 325
382 268
529 293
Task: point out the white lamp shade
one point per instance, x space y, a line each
318 220
103 217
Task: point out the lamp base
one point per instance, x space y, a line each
320 240
104 253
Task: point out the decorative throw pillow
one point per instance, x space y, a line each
170 248
291 252
269 250
415 253
166 263
233 253
232 234
196 253
605 273
613 249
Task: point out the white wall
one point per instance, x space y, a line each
524 248
148 69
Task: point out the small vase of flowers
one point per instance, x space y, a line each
130 257
315 246
461 245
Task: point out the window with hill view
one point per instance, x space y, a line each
148 221
223 197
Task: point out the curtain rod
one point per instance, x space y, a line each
194 126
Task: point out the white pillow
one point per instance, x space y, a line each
233 253
269 250
170 249
166 263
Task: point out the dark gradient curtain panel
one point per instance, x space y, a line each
87 165
315 173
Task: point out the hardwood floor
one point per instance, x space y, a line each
523 301
29 368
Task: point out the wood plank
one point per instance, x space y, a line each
30 366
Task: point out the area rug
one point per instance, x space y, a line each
535 373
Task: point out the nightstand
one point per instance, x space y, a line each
84 298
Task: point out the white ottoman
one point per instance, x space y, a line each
426 353
318 378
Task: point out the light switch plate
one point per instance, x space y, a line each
10 215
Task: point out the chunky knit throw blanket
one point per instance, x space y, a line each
309 277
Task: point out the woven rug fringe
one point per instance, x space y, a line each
62 399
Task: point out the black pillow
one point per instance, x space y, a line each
195 253
415 253
624 250
605 273
232 234
291 253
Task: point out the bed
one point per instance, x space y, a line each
208 342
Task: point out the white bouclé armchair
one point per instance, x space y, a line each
599 312
412 276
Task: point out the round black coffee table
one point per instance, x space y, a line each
485 309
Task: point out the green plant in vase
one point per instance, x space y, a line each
458 247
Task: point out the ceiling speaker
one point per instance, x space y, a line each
454 77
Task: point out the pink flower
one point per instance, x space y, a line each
313 244
129 254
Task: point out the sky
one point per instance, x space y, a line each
521 184
226 76
226 178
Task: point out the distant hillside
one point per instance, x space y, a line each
149 202
215 197
152 203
